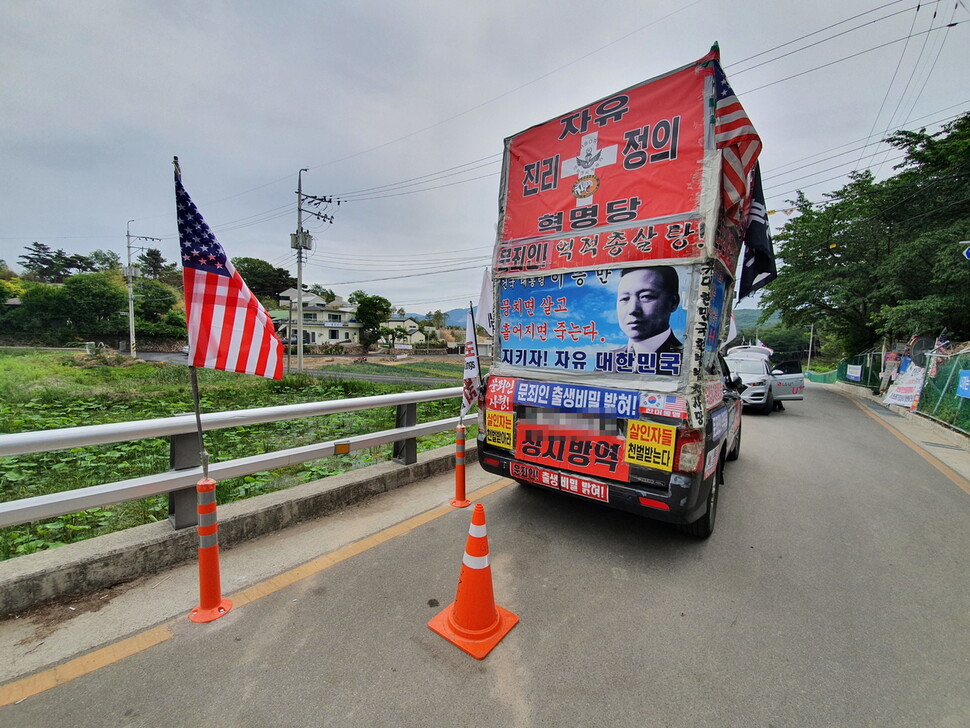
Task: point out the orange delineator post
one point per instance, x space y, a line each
460 501
473 622
211 604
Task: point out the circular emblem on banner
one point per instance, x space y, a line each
651 400
586 186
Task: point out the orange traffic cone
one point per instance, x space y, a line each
211 604
473 622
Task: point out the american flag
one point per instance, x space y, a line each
228 327
739 143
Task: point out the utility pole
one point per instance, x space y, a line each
300 241
131 272
289 335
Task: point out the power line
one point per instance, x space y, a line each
819 42
849 57
885 97
347 195
412 275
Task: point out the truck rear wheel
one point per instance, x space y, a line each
703 527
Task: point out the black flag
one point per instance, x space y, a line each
758 269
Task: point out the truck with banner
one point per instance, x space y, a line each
621 224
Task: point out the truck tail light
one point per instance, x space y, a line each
689 453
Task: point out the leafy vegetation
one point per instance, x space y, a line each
262 278
453 370
372 312
40 391
882 258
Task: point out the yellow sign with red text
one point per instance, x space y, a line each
650 444
498 428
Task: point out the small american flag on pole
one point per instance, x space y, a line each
739 143
228 327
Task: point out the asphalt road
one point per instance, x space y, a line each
833 592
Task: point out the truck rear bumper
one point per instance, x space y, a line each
679 504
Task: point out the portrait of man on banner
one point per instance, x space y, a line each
646 298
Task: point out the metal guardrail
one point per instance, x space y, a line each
179 482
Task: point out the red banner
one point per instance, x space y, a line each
569 483
598 250
584 450
500 394
634 156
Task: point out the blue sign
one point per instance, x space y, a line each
963 387
578 398
596 320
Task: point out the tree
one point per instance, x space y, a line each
41 311
95 303
879 259
325 293
436 318
372 312
153 299
263 278
387 335
86 305
153 264
102 260
10 288
42 263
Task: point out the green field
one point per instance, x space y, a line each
439 370
42 391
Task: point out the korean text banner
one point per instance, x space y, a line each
593 167
625 321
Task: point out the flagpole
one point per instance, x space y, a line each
478 358
203 455
193 378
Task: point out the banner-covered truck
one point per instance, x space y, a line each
620 228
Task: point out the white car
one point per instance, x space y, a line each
766 383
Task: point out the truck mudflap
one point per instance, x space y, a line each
682 500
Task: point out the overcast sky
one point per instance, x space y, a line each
401 109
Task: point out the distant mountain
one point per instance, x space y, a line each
747 318
455 317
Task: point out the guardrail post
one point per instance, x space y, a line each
406 451
183 454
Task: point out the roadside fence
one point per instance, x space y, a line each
179 482
946 388
862 370
941 395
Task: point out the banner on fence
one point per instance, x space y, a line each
853 372
907 389
963 388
